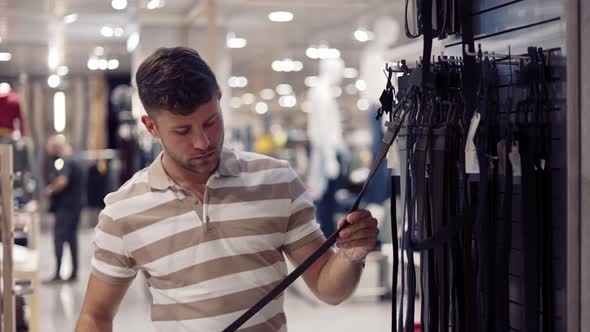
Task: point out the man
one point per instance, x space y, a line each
208 226
65 194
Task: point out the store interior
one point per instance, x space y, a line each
301 81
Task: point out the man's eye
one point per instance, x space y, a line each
181 132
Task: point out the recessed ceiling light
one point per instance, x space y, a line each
280 16
53 81
155 4
360 85
103 64
267 94
362 104
284 89
248 98
237 82
288 101
119 4
62 70
113 64
132 41
231 41
350 73
363 35
93 63
5 56
71 18
106 31
261 107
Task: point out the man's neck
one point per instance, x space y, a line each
183 177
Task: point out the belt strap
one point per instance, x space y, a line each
393 128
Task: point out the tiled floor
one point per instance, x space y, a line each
60 305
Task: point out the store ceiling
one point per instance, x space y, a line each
28 29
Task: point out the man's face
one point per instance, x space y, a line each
192 141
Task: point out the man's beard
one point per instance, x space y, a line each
211 164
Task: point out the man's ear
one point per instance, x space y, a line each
150 125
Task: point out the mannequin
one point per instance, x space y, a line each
325 135
9 111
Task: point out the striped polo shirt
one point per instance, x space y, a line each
207 262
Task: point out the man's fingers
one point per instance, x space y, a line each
358 215
354 228
364 233
368 242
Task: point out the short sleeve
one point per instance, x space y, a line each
111 261
302 226
66 169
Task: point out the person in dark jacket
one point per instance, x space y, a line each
65 192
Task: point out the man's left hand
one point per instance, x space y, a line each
358 238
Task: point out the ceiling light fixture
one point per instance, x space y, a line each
119 4
284 89
71 18
288 101
350 73
362 104
363 35
267 94
322 52
231 41
62 70
248 99
93 63
155 4
261 107
132 41
106 31
5 56
237 82
53 81
113 64
360 85
280 16
286 65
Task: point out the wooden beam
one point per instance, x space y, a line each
7 237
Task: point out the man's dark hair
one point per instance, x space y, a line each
176 80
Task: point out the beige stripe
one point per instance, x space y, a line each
109 226
133 189
215 231
272 325
248 193
216 268
306 240
210 307
258 165
110 280
296 188
301 218
114 259
148 217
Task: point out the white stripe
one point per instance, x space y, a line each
113 271
271 208
139 203
302 202
221 286
160 230
207 251
301 232
218 323
267 176
250 156
109 242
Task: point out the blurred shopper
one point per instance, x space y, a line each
208 226
65 193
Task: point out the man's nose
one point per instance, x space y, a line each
200 140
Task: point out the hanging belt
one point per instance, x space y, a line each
393 128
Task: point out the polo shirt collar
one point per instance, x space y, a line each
229 166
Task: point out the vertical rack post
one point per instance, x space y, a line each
7 237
